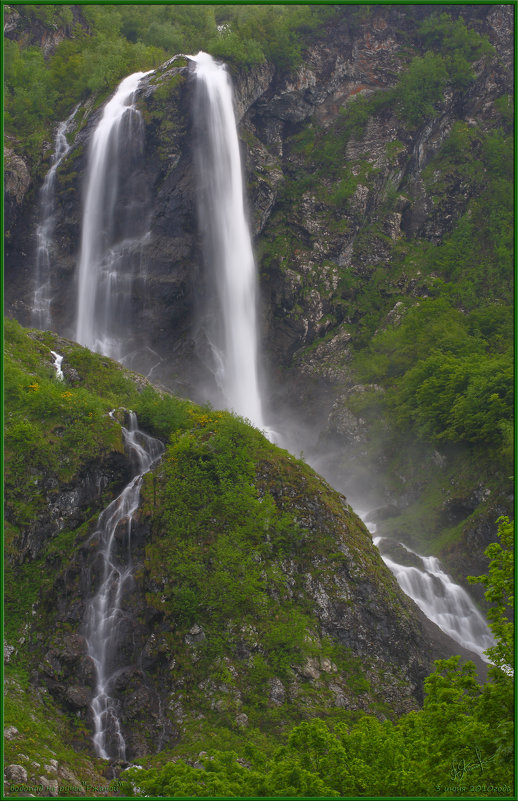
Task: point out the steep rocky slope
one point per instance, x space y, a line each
257 598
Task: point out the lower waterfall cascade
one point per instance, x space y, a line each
105 610
445 603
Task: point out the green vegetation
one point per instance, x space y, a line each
450 48
460 739
50 428
429 314
421 88
103 43
441 375
249 34
446 361
325 147
499 584
45 735
223 505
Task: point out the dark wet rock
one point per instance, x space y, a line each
17 180
399 554
195 636
78 697
383 513
70 505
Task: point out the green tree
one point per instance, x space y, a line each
421 87
499 584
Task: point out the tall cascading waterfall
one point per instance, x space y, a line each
105 611
447 604
227 244
114 226
42 299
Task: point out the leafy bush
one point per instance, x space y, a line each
421 87
500 583
161 414
439 376
458 43
450 48
458 399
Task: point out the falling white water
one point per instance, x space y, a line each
58 361
227 243
41 305
105 612
447 604
109 242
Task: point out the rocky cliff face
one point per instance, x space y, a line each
328 219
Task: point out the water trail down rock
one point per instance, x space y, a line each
58 361
42 299
114 225
445 603
105 611
226 241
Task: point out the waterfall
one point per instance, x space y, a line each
114 225
445 603
227 245
58 361
105 612
41 305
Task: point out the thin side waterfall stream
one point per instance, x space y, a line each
105 611
227 244
42 299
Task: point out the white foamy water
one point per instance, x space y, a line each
41 304
445 603
58 361
107 246
227 243
105 611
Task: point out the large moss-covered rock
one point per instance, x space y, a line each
257 600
